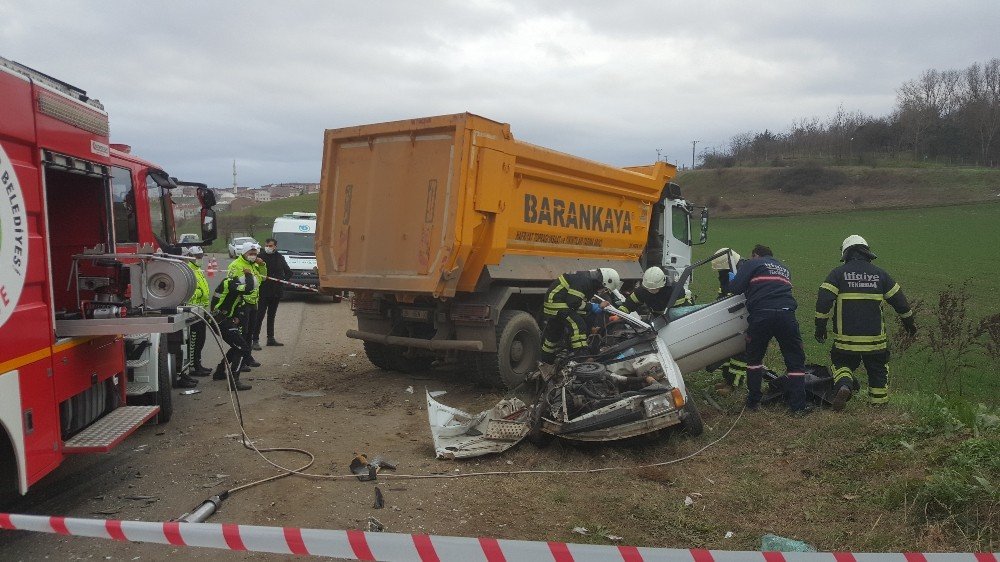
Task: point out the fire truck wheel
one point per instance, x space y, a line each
164 376
691 424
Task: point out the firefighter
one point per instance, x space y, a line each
653 293
734 371
227 303
853 295
202 299
567 298
249 263
767 284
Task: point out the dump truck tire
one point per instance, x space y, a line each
378 354
518 342
692 424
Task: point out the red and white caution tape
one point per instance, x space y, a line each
283 282
359 545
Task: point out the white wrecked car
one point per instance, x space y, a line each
633 386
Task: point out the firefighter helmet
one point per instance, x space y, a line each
610 279
726 261
850 241
654 279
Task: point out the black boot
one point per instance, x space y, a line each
200 371
251 362
219 374
255 345
274 342
184 381
237 384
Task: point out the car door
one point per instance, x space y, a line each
698 336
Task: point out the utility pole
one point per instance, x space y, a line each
693 145
234 177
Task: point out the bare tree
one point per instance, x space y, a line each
982 104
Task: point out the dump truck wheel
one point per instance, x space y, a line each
692 424
378 354
518 342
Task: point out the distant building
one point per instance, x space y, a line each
261 195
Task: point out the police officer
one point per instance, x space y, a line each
201 298
567 297
734 371
270 291
653 293
227 303
767 284
853 295
249 263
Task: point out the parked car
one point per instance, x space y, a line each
239 245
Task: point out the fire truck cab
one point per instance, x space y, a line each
90 280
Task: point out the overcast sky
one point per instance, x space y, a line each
194 85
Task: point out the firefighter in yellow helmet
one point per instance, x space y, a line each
853 295
734 371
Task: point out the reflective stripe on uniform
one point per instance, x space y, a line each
859 346
892 291
878 395
841 373
824 316
906 314
833 289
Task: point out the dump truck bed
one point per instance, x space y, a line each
427 205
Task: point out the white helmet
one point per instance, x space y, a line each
852 240
610 279
253 247
193 251
727 261
654 278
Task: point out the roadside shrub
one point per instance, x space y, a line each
803 179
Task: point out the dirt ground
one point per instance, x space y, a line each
320 393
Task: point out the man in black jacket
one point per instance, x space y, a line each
270 291
767 284
853 295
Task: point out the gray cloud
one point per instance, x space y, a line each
196 85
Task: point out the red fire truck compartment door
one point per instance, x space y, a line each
107 432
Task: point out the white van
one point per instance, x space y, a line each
296 235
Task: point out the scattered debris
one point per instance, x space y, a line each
409 390
353 355
366 469
379 499
305 394
581 531
436 393
222 476
192 391
688 502
614 538
774 543
374 525
729 534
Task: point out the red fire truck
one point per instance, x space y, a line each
90 332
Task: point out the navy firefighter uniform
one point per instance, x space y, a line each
565 301
853 296
767 284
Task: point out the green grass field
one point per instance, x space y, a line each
925 250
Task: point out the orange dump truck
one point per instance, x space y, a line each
448 231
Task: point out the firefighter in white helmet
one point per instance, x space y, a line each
653 292
565 301
734 371
852 296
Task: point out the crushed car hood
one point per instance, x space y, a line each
458 434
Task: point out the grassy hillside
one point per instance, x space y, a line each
809 188
926 250
256 220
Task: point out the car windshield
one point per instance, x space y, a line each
238 241
302 243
